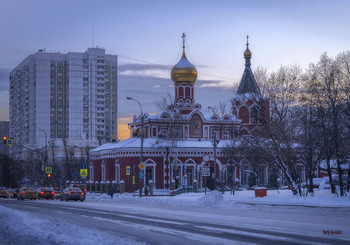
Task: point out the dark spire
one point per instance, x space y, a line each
248 83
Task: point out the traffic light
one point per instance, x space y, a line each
49 175
7 141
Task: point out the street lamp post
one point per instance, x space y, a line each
45 156
142 137
215 143
46 151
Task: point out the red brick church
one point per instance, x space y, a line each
181 140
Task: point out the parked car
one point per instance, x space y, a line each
58 192
4 193
181 190
27 193
46 193
315 183
15 193
72 193
325 185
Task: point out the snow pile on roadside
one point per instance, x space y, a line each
322 198
19 227
212 198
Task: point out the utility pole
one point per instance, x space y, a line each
215 143
142 137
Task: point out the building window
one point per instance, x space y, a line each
196 127
255 115
215 133
163 133
226 135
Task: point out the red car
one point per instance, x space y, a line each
46 193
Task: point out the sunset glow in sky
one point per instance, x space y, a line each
146 35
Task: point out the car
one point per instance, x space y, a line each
58 192
4 192
27 193
15 193
82 187
325 185
47 193
181 190
315 183
72 193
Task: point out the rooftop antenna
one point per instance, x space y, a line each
183 43
93 34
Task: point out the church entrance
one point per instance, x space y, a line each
149 175
189 172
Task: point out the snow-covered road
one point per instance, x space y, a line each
132 220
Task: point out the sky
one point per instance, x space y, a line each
146 36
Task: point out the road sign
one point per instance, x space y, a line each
48 170
205 173
206 158
83 166
127 170
133 180
141 166
205 169
142 175
9 142
206 164
83 172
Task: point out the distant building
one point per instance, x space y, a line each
70 98
4 132
183 140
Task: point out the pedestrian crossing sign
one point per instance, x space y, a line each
49 170
83 172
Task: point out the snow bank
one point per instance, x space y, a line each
19 227
322 198
212 198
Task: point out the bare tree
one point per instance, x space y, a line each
166 106
278 138
332 97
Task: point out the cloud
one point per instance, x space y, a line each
138 67
4 106
148 90
145 70
4 78
217 84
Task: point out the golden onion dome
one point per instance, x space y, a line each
184 72
247 52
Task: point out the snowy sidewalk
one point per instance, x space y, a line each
322 198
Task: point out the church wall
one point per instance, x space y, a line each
110 170
97 170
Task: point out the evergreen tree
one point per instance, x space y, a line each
273 178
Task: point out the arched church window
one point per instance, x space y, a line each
187 92
181 92
255 115
243 114
196 127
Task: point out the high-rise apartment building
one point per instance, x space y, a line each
71 96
